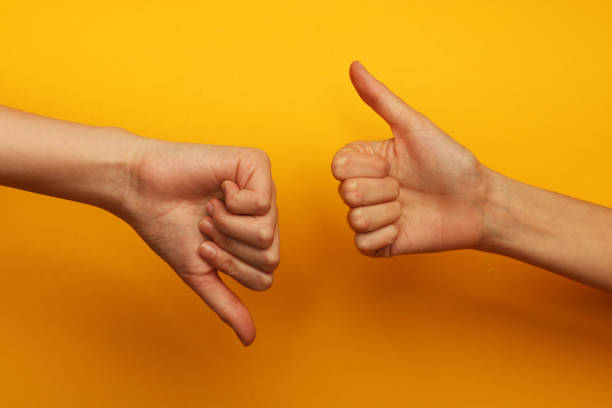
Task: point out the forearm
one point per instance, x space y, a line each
68 160
550 230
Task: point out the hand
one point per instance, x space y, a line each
183 194
419 191
173 194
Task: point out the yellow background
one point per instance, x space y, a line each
91 317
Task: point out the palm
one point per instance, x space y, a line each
173 192
440 199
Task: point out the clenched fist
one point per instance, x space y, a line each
419 191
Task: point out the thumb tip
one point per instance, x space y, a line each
355 65
246 339
358 73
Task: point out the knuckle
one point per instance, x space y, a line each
265 236
263 281
192 272
261 155
361 243
226 263
231 204
262 205
271 260
257 157
351 192
358 220
339 164
357 145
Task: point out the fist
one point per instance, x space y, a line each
419 191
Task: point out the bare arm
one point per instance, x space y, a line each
68 160
421 191
201 208
550 230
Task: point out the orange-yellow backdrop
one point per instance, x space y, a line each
91 317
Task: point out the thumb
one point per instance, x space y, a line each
378 97
224 302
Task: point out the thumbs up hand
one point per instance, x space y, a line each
419 191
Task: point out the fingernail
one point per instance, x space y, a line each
210 208
208 250
207 225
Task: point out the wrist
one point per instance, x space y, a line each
498 219
116 192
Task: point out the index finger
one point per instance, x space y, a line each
251 192
351 163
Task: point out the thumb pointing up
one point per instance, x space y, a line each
377 96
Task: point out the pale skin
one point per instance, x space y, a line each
421 191
201 208
205 208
